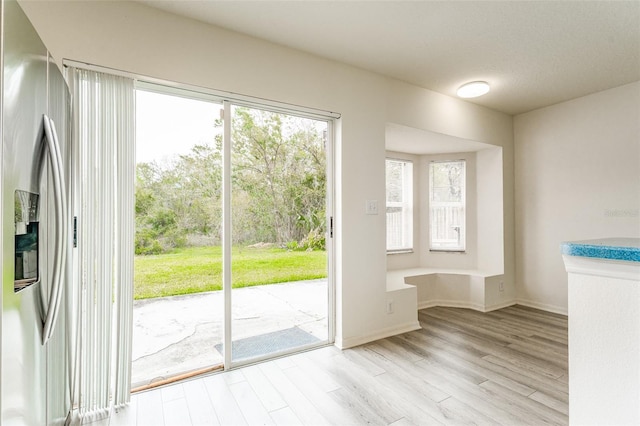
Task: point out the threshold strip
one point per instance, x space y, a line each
179 377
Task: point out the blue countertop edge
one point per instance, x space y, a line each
625 249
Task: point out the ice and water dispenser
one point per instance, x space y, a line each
26 240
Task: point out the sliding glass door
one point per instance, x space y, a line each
232 246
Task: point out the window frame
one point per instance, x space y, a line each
461 205
407 206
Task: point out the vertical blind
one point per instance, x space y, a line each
104 136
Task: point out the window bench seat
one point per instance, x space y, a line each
460 288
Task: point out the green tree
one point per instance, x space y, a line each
278 165
278 187
179 200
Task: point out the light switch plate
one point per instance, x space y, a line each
372 207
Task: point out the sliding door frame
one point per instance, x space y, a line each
227 237
227 100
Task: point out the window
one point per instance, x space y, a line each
447 205
399 175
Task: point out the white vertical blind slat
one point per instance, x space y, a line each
125 187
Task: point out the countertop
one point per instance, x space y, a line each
625 249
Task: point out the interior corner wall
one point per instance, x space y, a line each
135 38
577 177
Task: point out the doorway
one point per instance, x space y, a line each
255 177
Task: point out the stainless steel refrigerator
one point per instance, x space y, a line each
35 233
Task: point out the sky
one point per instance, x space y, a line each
167 125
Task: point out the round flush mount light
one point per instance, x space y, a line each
473 89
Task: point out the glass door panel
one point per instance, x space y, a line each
178 309
279 262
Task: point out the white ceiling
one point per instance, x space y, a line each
533 53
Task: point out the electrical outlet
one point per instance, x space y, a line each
389 306
371 207
501 286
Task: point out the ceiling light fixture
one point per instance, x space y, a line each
473 89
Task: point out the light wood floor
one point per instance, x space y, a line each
464 367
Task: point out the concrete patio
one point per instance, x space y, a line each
178 334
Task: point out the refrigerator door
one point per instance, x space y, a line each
58 393
25 378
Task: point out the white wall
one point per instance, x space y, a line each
490 185
132 37
577 177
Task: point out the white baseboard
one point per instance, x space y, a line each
543 306
450 304
478 307
466 305
351 342
500 306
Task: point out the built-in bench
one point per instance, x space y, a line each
460 288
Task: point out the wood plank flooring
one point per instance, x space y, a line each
463 367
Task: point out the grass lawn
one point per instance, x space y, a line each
197 269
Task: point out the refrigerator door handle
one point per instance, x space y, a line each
59 257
